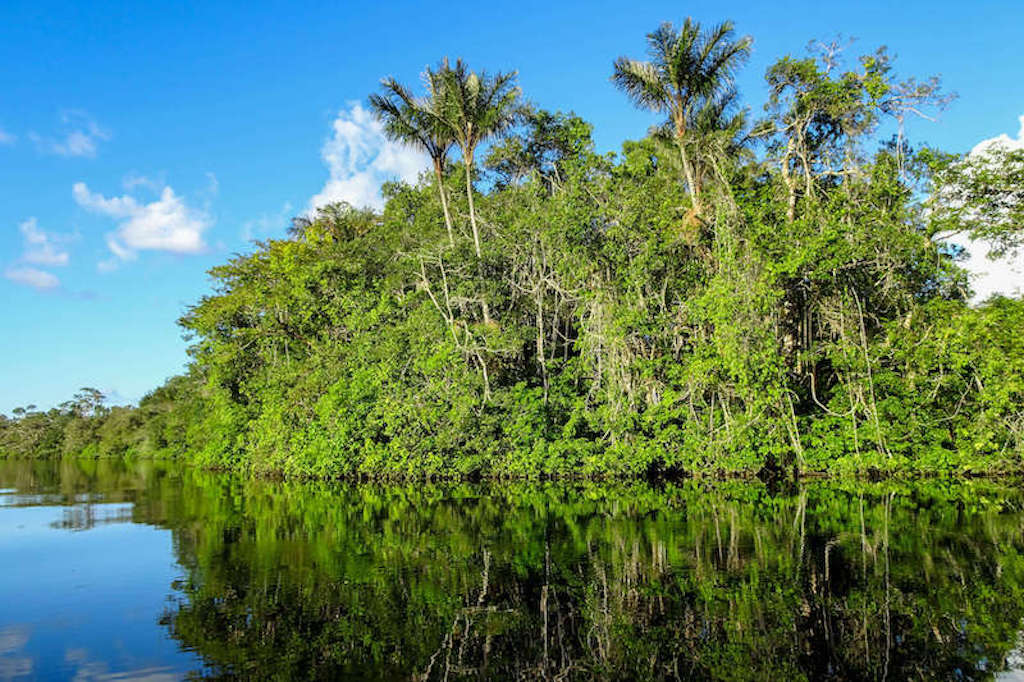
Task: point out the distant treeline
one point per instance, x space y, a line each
730 293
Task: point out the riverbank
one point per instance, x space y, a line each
1007 471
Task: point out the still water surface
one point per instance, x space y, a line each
159 572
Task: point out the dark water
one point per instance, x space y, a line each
159 572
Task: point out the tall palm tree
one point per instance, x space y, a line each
417 123
474 107
714 137
689 69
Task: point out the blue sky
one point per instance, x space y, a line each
143 143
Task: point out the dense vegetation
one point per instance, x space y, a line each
571 581
729 293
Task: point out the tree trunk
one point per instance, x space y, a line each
541 359
467 158
468 161
444 200
789 182
688 176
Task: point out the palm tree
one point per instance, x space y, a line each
417 123
714 137
474 107
689 70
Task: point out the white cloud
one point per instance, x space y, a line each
7 138
360 159
133 180
268 224
118 250
1004 275
39 248
77 143
81 136
108 265
43 248
32 277
166 224
1003 140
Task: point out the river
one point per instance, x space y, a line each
157 571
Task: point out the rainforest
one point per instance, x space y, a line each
752 287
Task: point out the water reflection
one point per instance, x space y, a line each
13 662
565 581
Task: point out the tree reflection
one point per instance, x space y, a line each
578 581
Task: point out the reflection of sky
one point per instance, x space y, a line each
85 605
1015 663
14 498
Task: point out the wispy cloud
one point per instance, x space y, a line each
80 136
212 184
43 248
268 224
359 159
134 180
32 277
7 138
39 248
166 224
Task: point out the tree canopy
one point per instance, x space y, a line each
737 291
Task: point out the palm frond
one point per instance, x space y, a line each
409 120
642 83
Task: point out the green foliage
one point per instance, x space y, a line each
981 195
694 304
